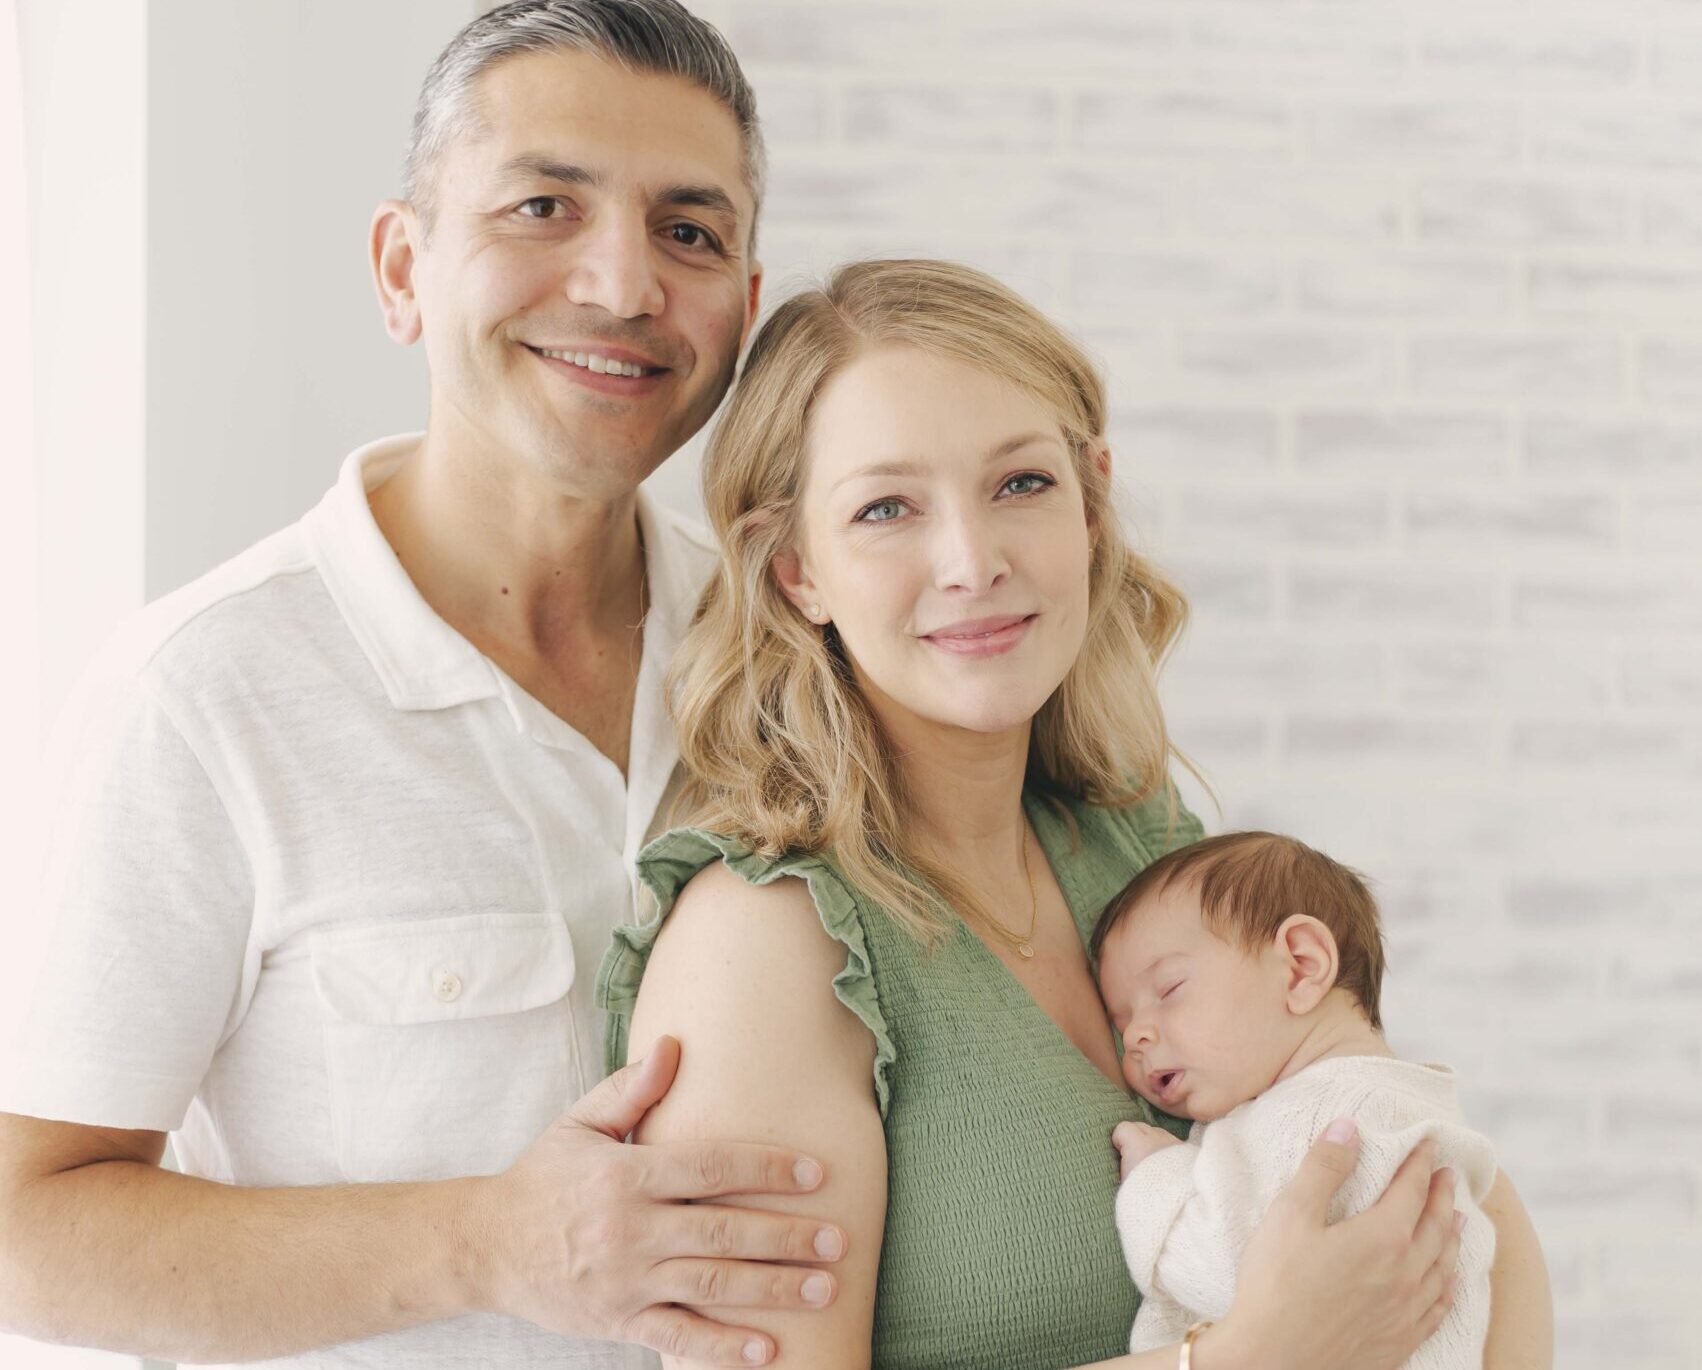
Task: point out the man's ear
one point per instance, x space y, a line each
391 249
1308 952
795 583
753 305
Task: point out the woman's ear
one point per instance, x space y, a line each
794 581
1100 455
1308 952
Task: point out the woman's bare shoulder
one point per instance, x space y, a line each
731 951
721 909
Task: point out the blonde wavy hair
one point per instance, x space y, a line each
782 750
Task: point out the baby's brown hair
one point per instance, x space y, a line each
1250 883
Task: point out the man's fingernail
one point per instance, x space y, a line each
807 1174
756 1352
830 1246
1341 1131
817 1288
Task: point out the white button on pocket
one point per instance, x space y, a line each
446 985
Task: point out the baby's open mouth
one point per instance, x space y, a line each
1162 1082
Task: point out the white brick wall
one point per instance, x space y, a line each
1402 309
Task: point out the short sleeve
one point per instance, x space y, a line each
1160 830
669 863
127 967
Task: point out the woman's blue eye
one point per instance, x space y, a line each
873 513
1032 480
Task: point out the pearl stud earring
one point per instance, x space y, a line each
815 611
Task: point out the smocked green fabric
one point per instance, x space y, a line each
1000 1250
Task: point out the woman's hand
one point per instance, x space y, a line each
1361 1293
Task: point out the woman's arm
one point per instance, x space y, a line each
1521 1306
743 976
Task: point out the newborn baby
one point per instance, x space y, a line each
1243 974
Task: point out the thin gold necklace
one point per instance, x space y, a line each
1024 945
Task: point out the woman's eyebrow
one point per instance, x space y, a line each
1009 445
912 466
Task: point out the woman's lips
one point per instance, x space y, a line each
981 636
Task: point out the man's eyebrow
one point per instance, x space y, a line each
701 197
709 197
535 164
913 466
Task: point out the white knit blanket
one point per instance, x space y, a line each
1185 1213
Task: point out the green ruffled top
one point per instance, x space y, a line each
1000 1250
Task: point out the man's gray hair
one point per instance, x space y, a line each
659 36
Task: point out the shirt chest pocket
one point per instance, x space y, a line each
449 1043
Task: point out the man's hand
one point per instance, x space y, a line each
1136 1141
589 1236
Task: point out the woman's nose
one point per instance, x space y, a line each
970 555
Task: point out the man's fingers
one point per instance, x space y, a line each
744 1234
691 1336
1326 1165
743 1284
705 1170
615 1107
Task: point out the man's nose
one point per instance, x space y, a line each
970 555
614 268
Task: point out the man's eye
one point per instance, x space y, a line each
881 511
541 207
694 236
1028 483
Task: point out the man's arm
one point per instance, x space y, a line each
744 976
583 1235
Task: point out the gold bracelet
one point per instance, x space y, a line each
1188 1340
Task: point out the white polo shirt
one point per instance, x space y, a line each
328 890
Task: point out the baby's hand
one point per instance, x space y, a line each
1136 1141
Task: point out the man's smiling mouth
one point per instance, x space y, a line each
599 362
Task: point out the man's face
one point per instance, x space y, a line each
600 215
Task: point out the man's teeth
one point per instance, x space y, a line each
596 361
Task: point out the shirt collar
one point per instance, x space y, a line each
422 662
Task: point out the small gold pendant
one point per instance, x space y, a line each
1026 950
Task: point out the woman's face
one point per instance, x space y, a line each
944 535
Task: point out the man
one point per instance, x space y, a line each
347 822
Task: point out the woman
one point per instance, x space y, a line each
919 713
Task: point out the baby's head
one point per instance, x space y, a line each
1219 961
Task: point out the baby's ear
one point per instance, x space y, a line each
1308 951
